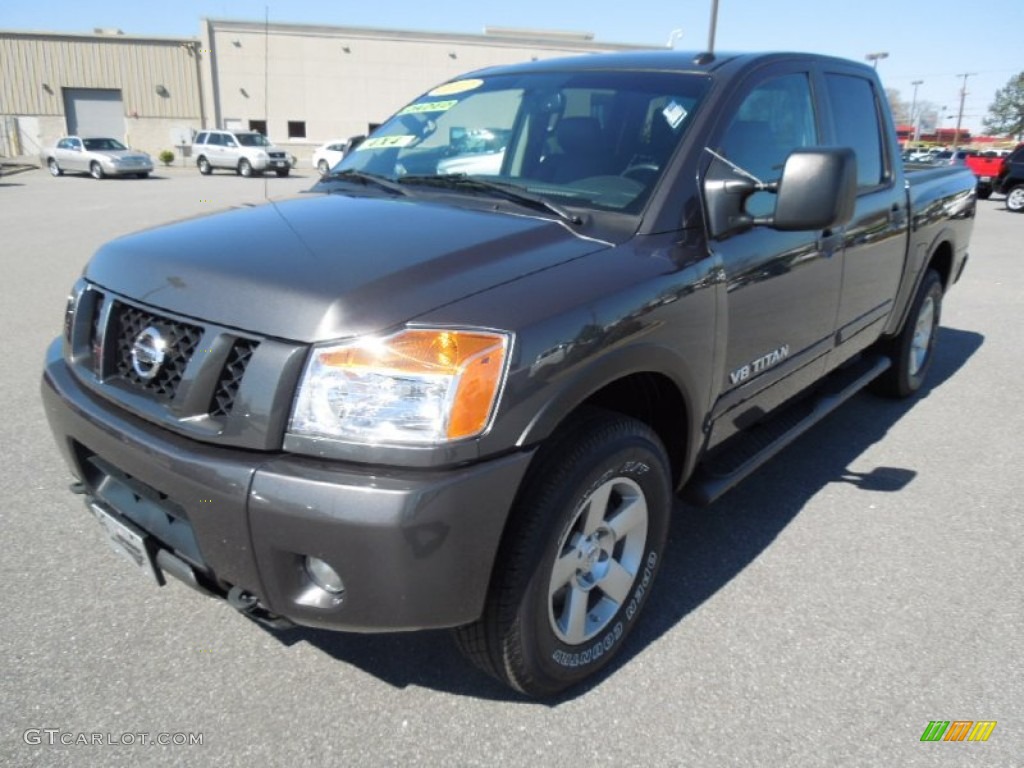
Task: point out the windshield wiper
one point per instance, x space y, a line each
509 192
366 179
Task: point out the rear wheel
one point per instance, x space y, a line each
576 564
55 170
984 193
244 168
143 175
1015 199
96 170
912 350
323 167
282 172
204 166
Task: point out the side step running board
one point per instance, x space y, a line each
722 471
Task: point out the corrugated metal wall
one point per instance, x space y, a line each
37 67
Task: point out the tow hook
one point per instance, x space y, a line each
242 601
248 604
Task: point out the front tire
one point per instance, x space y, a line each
204 166
913 349
96 171
323 167
55 170
244 169
578 558
282 172
1015 199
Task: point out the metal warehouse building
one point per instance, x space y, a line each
299 84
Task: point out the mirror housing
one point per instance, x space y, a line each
817 190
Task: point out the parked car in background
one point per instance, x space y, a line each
99 157
329 155
1011 180
986 167
248 153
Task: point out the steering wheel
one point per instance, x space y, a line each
645 173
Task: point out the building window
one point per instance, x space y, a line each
296 129
260 126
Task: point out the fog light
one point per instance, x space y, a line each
325 577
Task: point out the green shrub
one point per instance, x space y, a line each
166 157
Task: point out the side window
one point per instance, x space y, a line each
201 138
857 121
775 118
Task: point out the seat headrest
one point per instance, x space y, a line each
578 133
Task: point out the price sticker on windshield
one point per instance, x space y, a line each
459 86
385 142
429 106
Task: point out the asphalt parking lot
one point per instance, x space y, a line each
866 582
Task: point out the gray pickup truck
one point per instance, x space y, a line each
415 399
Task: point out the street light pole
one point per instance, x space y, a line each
874 57
714 25
914 118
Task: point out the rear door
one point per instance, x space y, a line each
71 154
782 287
875 241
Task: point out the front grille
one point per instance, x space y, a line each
181 338
231 377
199 388
276 155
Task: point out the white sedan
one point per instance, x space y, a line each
329 155
98 157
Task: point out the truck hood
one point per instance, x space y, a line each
327 267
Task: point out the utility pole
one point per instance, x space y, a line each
914 119
960 114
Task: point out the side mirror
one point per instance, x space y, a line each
817 190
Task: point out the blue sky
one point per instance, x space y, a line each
932 41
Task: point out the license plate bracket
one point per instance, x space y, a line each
128 540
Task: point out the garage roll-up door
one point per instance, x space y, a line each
94 112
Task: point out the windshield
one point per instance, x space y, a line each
594 139
103 145
252 140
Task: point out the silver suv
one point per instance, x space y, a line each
246 152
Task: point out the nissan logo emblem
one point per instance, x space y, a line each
148 351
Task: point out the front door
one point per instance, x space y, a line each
782 287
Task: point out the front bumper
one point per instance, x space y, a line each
414 548
113 169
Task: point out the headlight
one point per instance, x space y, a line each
417 386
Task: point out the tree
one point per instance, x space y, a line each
1006 113
900 109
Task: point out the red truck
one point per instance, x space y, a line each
986 169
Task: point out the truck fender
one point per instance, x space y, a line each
615 366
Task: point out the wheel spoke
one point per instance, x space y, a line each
617 583
575 615
596 509
630 515
564 570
